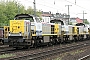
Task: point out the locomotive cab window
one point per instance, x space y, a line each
31 19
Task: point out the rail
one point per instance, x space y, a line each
85 57
41 55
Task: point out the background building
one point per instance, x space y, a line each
47 16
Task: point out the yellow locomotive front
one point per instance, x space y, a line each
19 28
19 34
16 26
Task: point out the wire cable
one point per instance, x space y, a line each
77 5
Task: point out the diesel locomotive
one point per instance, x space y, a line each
25 31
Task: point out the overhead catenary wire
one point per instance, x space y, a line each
74 4
77 5
47 5
60 9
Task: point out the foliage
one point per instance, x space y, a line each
7 55
70 23
86 22
31 11
9 8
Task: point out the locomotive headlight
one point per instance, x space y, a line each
20 33
9 33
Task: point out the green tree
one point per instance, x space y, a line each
31 11
8 9
70 23
39 14
86 22
3 17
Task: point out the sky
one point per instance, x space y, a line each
60 6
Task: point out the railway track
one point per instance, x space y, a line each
87 57
6 49
47 53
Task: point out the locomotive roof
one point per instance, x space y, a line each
57 20
80 24
20 16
